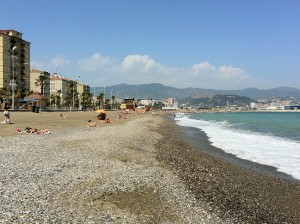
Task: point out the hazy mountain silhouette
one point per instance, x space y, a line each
159 91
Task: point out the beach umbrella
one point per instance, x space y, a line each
100 111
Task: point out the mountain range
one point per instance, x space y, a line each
159 91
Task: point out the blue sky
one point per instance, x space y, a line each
214 44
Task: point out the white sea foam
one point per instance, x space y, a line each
284 154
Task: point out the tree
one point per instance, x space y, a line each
100 98
4 94
41 81
86 99
18 93
55 98
52 99
106 103
113 98
70 94
58 97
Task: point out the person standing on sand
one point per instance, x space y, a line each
6 114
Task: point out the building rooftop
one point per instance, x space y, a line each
35 70
12 33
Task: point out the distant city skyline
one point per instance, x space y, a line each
203 44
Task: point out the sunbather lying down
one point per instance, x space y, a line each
63 116
43 131
108 120
92 124
34 130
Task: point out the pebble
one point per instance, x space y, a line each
94 175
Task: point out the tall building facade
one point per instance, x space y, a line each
58 89
14 63
36 85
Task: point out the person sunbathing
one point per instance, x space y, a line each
30 130
92 124
61 116
108 120
43 131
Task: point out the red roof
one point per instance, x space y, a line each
36 96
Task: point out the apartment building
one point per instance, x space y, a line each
36 77
81 89
14 63
58 89
170 102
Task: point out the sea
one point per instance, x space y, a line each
267 138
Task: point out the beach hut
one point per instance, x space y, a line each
36 100
128 104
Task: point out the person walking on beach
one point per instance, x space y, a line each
6 114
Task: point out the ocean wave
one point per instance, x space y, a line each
282 153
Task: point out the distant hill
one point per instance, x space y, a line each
159 91
255 93
218 100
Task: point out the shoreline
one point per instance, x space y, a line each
232 190
200 140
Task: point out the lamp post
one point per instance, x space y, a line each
104 97
94 94
117 99
79 91
56 69
55 97
111 98
55 90
12 83
73 95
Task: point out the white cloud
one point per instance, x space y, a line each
203 67
60 60
142 69
139 69
95 62
49 64
224 77
141 63
37 64
229 72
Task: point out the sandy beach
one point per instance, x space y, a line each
141 169
52 120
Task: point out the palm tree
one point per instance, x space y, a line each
113 98
55 98
4 94
52 99
41 81
70 92
100 98
28 92
18 93
86 99
107 102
